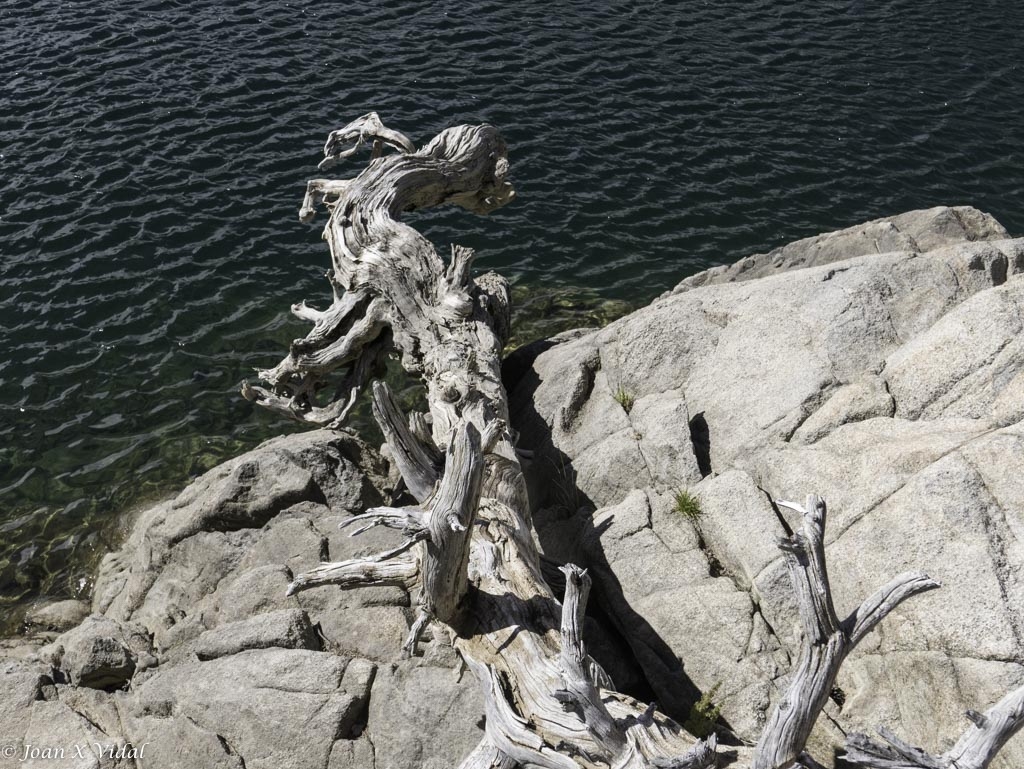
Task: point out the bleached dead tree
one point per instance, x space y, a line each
470 556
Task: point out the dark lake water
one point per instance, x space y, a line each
153 156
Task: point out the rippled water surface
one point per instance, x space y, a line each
153 156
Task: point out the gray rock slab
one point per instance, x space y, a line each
103 653
286 628
420 717
272 707
919 231
20 686
57 615
243 494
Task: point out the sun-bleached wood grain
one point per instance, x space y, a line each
469 557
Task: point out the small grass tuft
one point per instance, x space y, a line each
625 398
566 491
704 714
688 505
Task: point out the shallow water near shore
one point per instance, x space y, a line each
153 157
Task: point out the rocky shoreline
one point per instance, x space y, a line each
880 366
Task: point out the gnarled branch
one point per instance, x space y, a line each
826 641
390 287
397 567
367 128
409 520
446 554
579 689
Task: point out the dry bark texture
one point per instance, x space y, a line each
470 555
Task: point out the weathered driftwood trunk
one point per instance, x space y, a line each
470 556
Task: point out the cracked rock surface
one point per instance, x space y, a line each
881 367
194 655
